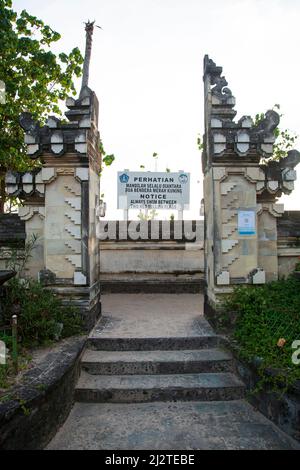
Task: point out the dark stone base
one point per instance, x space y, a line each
211 314
219 319
91 316
283 410
209 311
84 298
33 411
152 287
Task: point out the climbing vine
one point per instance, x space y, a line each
285 139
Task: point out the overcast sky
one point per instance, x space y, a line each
147 67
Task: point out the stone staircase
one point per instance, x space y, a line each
154 375
118 369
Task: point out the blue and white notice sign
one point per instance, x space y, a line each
153 190
246 222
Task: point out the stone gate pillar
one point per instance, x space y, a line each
61 200
240 193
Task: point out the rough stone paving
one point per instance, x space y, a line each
155 376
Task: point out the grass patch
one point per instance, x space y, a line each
267 322
42 320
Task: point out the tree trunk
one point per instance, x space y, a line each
2 192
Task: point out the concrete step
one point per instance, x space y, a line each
159 286
156 362
150 388
111 343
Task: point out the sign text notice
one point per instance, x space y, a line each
153 190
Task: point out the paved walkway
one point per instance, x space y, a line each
172 425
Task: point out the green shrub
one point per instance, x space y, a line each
42 317
264 315
4 368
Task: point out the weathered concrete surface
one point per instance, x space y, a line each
33 410
165 266
152 256
149 388
169 324
152 316
156 362
169 426
152 322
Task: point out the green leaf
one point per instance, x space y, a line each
36 79
108 159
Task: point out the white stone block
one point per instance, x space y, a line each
74 216
228 244
255 174
288 185
40 188
216 123
48 174
29 139
273 185
86 101
267 148
57 148
223 278
51 122
74 245
74 202
79 279
11 188
227 187
219 173
289 175
259 277
81 148
27 188
74 231
75 260
260 186
246 122
82 174
27 178
32 148
70 102
85 122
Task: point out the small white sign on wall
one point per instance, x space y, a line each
246 222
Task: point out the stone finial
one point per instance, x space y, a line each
280 175
225 139
217 86
220 82
29 124
269 123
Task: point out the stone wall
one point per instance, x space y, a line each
12 235
60 201
162 260
288 228
33 411
283 410
240 193
161 263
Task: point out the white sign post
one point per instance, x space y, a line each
153 190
